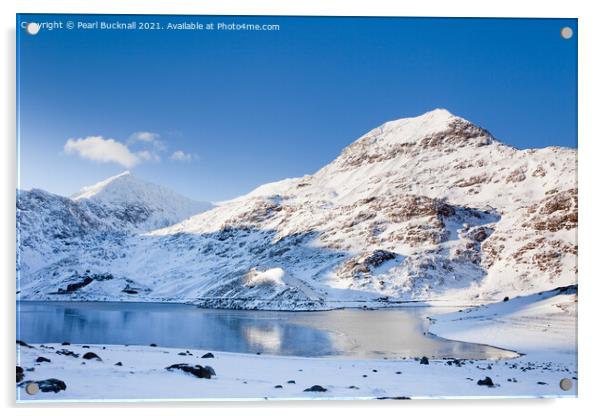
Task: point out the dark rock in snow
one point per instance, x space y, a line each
42 360
78 285
91 356
130 291
67 353
480 235
393 398
66 343
20 374
424 361
23 344
153 345
278 386
506 299
316 388
291 382
208 355
196 370
487 381
119 364
51 385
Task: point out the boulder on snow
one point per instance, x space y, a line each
20 374
67 353
424 360
23 344
210 369
51 385
91 356
42 360
196 370
316 388
208 355
487 381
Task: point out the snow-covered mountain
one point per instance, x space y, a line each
429 208
51 229
125 200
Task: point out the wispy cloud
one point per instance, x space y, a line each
102 150
149 156
182 156
147 137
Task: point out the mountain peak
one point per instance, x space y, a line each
408 129
151 206
436 130
91 191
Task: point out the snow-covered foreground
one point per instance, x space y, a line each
542 327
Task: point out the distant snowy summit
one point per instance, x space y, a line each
147 205
429 208
98 218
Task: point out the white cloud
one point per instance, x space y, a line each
182 156
147 137
102 150
99 149
148 156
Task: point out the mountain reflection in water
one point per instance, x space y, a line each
391 333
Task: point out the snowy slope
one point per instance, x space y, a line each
524 324
431 208
146 206
58 236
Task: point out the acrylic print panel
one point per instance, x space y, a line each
221 207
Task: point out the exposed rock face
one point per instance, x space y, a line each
424 208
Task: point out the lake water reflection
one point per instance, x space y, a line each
391 333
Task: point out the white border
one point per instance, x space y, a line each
590 158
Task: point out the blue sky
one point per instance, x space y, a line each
213 114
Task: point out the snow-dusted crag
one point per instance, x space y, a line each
57 235
431 208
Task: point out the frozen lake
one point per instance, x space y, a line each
391 333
